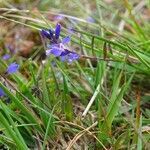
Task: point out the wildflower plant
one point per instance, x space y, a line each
57 47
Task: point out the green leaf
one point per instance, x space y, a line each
67 101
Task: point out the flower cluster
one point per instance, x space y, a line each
57 46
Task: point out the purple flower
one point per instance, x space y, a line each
66 40
57 47
12 68
2 93
10 48
53 36
56 51
64 54
90 19
72 56
69 56
6 56
46 33
57 31
59 17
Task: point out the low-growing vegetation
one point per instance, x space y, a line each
75 75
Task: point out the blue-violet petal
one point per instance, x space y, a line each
12 68
57 31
